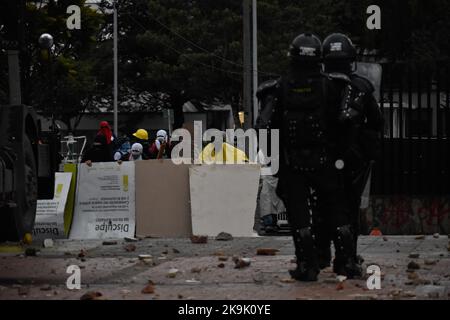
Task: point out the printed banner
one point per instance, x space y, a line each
104 201
50 213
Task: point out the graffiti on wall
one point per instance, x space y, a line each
407 215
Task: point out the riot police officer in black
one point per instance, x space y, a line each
297 105
358 143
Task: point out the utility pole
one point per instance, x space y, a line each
247 44
250 62
115 70
255 59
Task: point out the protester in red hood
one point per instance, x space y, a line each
105 130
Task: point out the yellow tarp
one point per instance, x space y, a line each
227 155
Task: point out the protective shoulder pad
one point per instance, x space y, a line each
267 87
362 84
338 76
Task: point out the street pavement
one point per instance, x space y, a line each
180 269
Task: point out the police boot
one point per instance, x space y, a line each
305 250
345 262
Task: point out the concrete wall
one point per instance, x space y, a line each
407 215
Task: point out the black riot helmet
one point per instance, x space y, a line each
305 49
339 53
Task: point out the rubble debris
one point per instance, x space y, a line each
48 243
128 239
219 253
196 270
429 262
436 235
331 281
180 296
358 296
82 253
199 239
414 255
192 281
223 236
221 265
46 288
341 278
149 288
223 258
385 238
241 263
175 250
23 291
109 243
91 295
287 280
130 247
408 294
413 276
420 237
413 265
172 273
144 256
30 252
266 252
340 286
165 252
431 291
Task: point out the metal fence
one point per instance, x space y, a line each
416 146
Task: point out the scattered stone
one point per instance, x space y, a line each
144 256
242 263
125 291
196 270
149 288
341 278
331 281
175 250
430 291
83 259
30 252
340 286
266 252
436 235
48 243
413 276
408 294
193 281
429 262
413 265
180 296
127 239
420 237
287 280
172 273
223 236
199 239
130 247
82 254
165 252
109 243
414 255
385 238
221 265
223 258
91 295
23 291
359 296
